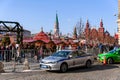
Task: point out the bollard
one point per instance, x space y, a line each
14 67
1 67
14 64
26 64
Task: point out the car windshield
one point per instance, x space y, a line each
61 54
112 51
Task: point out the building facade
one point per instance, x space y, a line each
118 21
93 35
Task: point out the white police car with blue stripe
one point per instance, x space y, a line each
65 59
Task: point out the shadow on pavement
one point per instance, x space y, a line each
97 67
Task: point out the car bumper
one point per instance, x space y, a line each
49 66
99 60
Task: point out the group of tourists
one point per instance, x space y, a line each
9 52
13 52
6 53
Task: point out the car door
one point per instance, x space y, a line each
82 58
76 58
72 62
118 56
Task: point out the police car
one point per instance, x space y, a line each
65 59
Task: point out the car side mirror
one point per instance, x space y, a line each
70 56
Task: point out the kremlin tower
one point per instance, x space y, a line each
56 27
87 31
101 32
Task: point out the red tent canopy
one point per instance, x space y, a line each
42 36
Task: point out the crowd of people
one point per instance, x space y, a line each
12 52
7 53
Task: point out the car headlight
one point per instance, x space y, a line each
41 61
53 62
103 57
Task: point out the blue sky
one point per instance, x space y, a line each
34 14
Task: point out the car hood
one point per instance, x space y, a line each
103 54
53 59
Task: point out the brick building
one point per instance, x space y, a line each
93 35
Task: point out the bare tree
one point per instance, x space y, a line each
75 33
80 28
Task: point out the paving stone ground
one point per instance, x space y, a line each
97 72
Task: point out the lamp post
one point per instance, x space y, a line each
118 21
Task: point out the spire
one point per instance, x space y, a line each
41 29
56 27
57 23
87 24
101 23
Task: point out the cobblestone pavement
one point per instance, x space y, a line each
97 72
8 67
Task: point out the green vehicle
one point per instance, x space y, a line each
110 57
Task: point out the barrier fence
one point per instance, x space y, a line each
11 55
33 56
14 62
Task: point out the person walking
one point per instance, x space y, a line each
18 57
7 54
40 53
2 52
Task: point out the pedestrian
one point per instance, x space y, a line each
2 52
18 57
78 47
7 54
41 52
115 46
100 48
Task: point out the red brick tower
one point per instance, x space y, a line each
101 32
87 31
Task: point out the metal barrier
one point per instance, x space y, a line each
93 51
9 57
13 62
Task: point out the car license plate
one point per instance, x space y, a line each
44 66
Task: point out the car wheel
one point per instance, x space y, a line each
88 64
110 61
63 67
